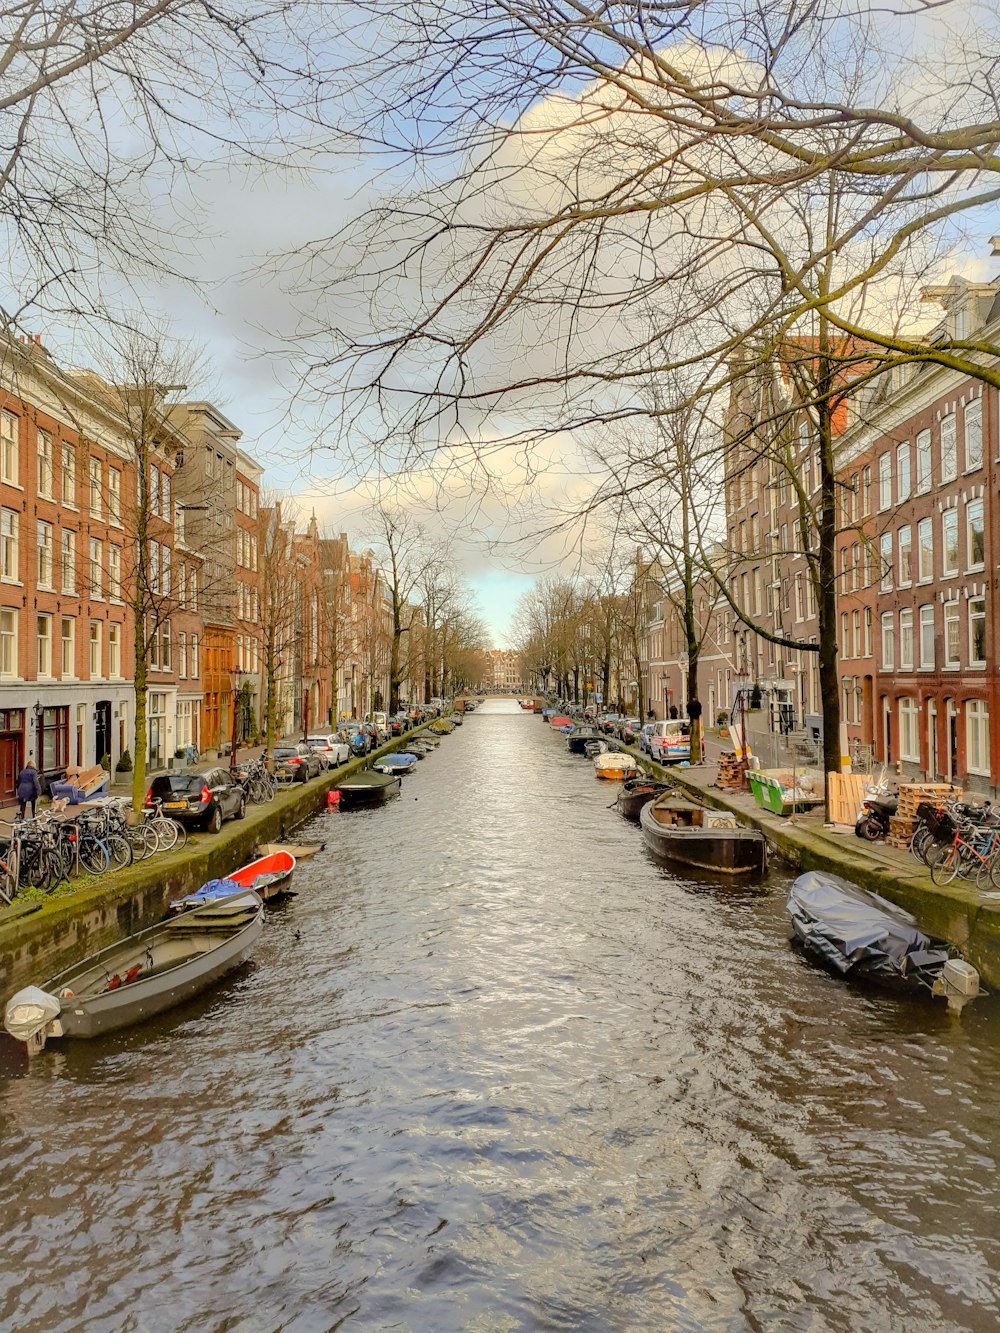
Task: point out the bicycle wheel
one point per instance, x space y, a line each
144 841
919 841
120 852
945 868
968 862
166 833
93 855
181 837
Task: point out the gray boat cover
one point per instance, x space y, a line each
851 928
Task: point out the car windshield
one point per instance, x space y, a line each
321 741
283 751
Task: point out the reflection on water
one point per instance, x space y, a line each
495 1068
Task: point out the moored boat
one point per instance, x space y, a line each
395 763
860 935
637 792
615 766
577 739
140 976
367 788
296 849
269 877
707 839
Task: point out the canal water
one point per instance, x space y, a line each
494 1068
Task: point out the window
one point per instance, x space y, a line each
154 490
114 495
54 735
114 571
45 555
9 446
885 562
927 638
906 640
68 478
67 572
96 569
952 644
866 489
977 631
8 643
844 645
8 545
843 569
193 661
45 645
902 473
68 662
949 452
909 740
95 487
975 539
182 655
923 461
925 550
905 552
114 651
44 447
977 736
868 632
855 633
165 647
95 649
885 481
154 566
193 591
949 542
974 435
165 497
888 641
855 566
165 570
253 552
854 499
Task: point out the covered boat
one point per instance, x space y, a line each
141 976
576 740
269 877
860 935
396 763
615 766
367 788
296 849
707 839
561 722
637 792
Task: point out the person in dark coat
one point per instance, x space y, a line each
29 788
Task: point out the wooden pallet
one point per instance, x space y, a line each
846 791
911 794
730 770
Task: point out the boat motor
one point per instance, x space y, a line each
31 1016
958 982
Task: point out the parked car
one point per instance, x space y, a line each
203 797
629 730
297 762
397 724
607 723
644 736
333 746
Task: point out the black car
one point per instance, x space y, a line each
204 797
297 762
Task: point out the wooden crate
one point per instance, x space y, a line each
911 794
730 770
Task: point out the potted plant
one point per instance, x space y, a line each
124 764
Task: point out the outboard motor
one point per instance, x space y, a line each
958 982
31 1016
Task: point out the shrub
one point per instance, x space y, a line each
124 764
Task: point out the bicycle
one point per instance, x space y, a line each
972 854
170 834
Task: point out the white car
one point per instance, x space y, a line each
332 747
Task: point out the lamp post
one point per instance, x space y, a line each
239 680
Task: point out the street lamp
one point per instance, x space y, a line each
239 680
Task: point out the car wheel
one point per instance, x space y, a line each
214 821
241 812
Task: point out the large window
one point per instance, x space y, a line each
45 645
44 447
54 731
905 556
855 633
977 736
9 563
977 631
114 495
949 542
95 650
923 461
885 562
95 487
925 550
906 640
114 651
9 446
952 635
902 473
68 475
96 569
194 666
8 643
974 435
888 641
114 571
182 655
885 481
67 666
868 632
975 537
67 561
909 737
866 489
949 451
165 496
45 555
927 638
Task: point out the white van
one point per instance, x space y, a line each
670 742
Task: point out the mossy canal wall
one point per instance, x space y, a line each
37 940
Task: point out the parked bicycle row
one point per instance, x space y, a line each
958 839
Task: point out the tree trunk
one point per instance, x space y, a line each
829 685
141 739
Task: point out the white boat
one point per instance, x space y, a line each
618 767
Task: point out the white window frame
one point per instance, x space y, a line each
909 730
949 520
96 657
886 556
10 447
977 736
884 482
67 562
95 473
10 546
888 641
925 568
114 650
43 654
903 478
905 545
974 507
906 639
972 429
925 637
114 495
96 567
9 626
922 447
67 648
67 475
45 569
952 621
45 464
975 618
949 448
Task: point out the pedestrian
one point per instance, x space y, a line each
673 712
28 787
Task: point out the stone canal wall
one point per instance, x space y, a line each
957 913
39 940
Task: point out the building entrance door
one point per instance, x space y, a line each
102 730
932 742
951 740
10 766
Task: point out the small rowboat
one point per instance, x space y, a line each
576 740
617 767
269 877
296 849
707 839
140 976
637 792
367 788
396 763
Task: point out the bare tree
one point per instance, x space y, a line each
278 600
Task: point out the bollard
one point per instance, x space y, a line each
332 800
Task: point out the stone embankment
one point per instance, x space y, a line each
38 940
958 913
